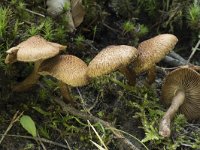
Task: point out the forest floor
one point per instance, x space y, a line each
108 110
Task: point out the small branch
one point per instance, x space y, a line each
15 118
37 138
40 141
35 13
161 70
68 145
193 51
173 62
91 118
177 56
112 29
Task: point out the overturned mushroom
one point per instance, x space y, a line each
180 90
69 70
55 8
34 49
151 52
112 58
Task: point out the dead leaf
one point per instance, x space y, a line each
78 12
74 16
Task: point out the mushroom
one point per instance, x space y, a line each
151 52
34 49
112 58
69 70
180 90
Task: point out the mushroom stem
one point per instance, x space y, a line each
151 75
30 80
177 101
65 92
129 74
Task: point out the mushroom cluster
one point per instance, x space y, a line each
180 90
111 58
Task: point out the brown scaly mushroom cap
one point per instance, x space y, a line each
66 68
110 59
33 49
153 50
188 81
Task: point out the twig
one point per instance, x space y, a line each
35 13
67 144
97 134
164 70
173 62
89 42
15 118
37 138
86 116
177 56
40 141
193 51
82 101
112 29
94 104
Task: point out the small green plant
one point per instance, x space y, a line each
28 124
34 30
151 132
148 6
193 16
79 40
4 19
21 7
123 8
66 6
128 26
16 28
60 33
48 29
143 30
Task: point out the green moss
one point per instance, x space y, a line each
193 16
4 19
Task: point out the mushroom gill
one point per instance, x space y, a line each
180 91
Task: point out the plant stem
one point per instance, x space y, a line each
151 75
129 74
65 92
30 80
177 101
193 51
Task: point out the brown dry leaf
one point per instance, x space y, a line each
78 12
74 16
71 26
